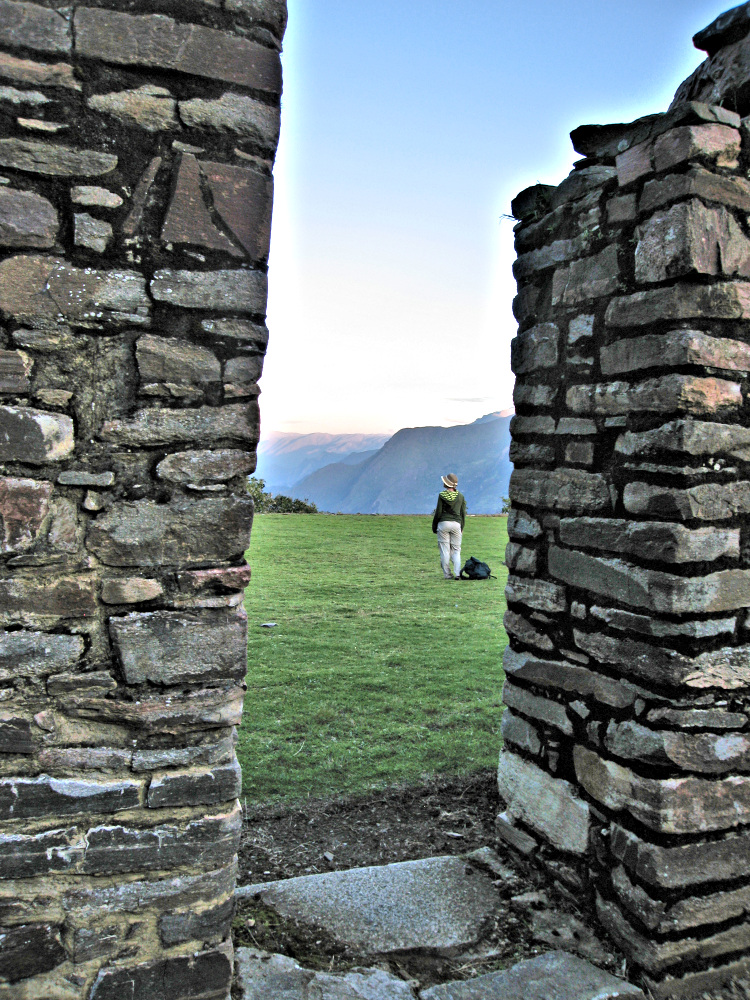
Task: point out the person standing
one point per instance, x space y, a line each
448 524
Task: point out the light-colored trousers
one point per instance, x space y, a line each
449 541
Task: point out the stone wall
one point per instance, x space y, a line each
627 761
136 144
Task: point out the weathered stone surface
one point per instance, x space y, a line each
192 756
706 502
30 949
207 424
682 866
544 710
263 976
63 597
580 426
242 373
211 924
565 676
54 160
519 558
548 805
669 805
539 594
628 621
28 25
25 855
579 452
243 199
26 219
532 202
657 540
149 107
272 13
563 489
130 590
691 237
24 504
166 359
167 44
622 209
38 289
34 436
524 631
15 733
94 234
82 477
85 759
184 531
96 197
247 334
556 974
97 682
558 252
725 300
665 394
195 787
579 182
235 113
698 718
21 798
238 291
169 647
679 347
532 425
207 843
717 144
520 733
704 753
634 163
512 835
725 590
729 27
699 183
688 437
188 219
525 395
534 349
200 580
200 467
39 74
590 278
132 225
207 974
531 453
434 903
175 713
521 526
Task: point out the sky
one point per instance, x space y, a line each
407 128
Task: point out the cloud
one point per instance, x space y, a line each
468 399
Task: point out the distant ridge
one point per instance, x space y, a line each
403 476
284 457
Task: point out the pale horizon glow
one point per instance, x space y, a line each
403 139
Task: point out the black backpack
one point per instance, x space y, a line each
476 570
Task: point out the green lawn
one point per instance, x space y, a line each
378 671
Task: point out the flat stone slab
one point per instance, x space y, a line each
263 976
437 904
555 974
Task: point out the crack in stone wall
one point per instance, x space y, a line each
626 768
136 150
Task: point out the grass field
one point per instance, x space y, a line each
377 671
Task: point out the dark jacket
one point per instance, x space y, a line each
451 506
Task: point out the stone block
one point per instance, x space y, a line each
82 477
531 453
520 733
169 647
234 113
562 489
96 197
532 425
519 558
98 682
93 234
182 757
243 372
58 597
165 359
195 787
43 289
521 526
665 394
513 836
697 718
713 143
700 753
550 713
210 924
580 328
242 198
558 252
535 349
684 865
175 714
37 74
243 332
140 201
26 219
580 426
685 805
579 452
65 760
200 425
677 348
15 735
262 976
564 676
538 594
706 502
634 163
532 202
696 183
628 621
526 632
34 436
23 798
231 291
24 504
184 532
691 238
725 300
147 107
189 219
29 26
549 806
28 855
54 159
525 395
730 27
665 593
162 43
622 209
579 183
15 368
130 590
656 540
271 13
587 279
207 843
29 949
687 437
206 975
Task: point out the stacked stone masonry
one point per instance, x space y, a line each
136 148
626 767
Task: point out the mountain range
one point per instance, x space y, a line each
392 475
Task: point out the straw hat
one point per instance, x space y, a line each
450 481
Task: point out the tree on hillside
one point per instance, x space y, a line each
267 503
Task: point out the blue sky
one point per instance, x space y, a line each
407 127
